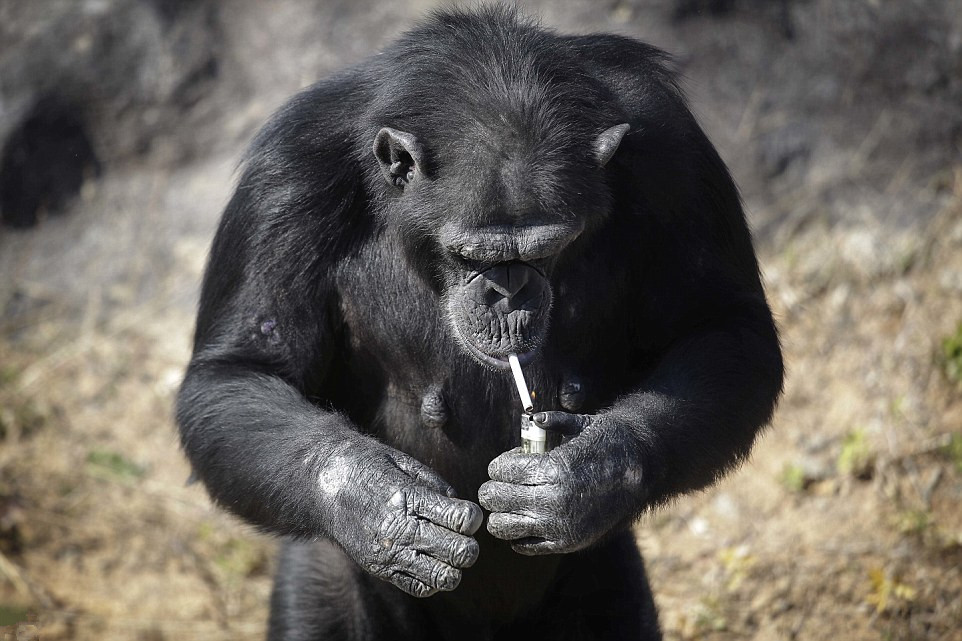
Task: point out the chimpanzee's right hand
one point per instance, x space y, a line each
397 518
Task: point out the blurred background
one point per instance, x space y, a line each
121 123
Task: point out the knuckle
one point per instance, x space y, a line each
471 517
453 514
415 501
494 525
396 529
549 470
485 494
399 500
532 465
438 575
465 553
374 567
503 526
417 534
423 591
449 579
406 559
387 561
412 586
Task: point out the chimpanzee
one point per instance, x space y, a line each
483 187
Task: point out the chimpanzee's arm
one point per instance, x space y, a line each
696 416
718 369
265 334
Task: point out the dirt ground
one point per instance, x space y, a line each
842 122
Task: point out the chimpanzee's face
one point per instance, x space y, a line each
498 299
494 219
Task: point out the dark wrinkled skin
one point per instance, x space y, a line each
407 528
568 499
482 187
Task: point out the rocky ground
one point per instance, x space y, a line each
842 122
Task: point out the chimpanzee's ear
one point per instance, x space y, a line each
400 156
606 144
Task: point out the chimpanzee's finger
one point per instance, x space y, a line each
496 496
562 422
519 468
456 550
422 575
509 527
534 546
456 515
422 474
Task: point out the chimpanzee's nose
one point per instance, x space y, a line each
508 279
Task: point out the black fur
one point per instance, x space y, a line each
330 393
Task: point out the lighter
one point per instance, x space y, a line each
534 440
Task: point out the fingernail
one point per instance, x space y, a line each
540 417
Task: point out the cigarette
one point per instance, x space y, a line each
520 383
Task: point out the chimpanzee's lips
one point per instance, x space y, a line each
501 310
496 362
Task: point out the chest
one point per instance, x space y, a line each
401 375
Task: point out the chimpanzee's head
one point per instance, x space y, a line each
493 168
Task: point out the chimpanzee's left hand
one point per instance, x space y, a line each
572 496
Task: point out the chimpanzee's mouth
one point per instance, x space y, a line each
501 310
493 361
